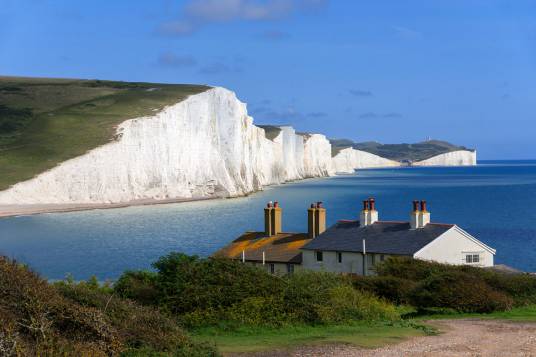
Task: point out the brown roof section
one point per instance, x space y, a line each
281 248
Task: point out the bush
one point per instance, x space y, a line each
394 289
139 286
459 291
228 294
187 283
347 304
83 319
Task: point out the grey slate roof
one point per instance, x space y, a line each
381 237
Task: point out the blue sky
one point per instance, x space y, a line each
390 71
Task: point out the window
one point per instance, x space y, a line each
272 268
382 258
319 256
290 268
472 258
339 257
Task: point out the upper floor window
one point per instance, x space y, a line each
472 258
319 256
339 257
272 268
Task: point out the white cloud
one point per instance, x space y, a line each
198 13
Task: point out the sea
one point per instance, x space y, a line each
495 201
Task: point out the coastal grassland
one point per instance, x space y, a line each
46 121
366 335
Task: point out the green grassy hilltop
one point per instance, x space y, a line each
46 121
398 152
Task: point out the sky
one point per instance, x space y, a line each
389 71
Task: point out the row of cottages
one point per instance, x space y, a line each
355 246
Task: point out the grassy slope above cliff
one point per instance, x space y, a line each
46 121
398 152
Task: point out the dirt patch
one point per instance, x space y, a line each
467 337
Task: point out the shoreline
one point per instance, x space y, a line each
15 210
35 209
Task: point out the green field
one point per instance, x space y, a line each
46 121
250 339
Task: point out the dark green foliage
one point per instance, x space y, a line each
227 293
459 291
139 286
462 288
390 288
188 283
80 319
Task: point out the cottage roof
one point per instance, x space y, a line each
280 248
384 237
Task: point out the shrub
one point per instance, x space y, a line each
459 291
227 293
347 304
139 286
410 269
188 283
83 319
391 288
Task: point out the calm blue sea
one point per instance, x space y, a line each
495 201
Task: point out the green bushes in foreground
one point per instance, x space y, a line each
81 319
461 288
226 293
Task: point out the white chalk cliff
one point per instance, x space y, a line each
453 158
204 146
349 159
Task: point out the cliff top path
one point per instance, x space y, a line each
464 337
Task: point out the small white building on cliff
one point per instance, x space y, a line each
355 246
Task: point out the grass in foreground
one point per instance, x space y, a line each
262 339
44 122
519 314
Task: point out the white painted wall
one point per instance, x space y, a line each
352 263
279 268
452 246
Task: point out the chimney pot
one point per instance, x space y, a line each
319 204
415 206
276 204
269 204
372 204
313 205
423 206
365 205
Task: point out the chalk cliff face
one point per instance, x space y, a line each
204 146
349 159
454 158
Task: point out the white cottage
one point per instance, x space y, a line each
354 247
